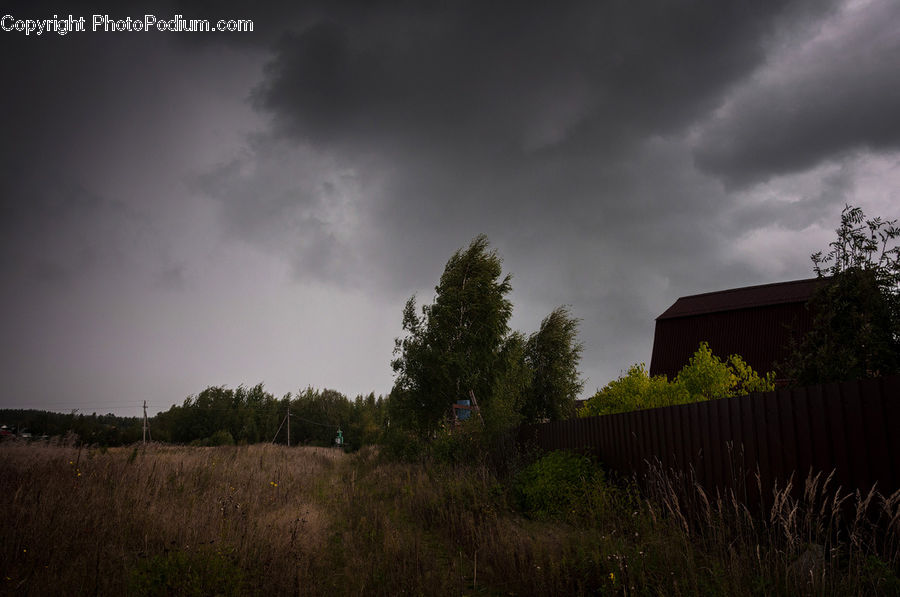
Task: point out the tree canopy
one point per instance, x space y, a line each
452 348
461 345
856 315
553 354
705 377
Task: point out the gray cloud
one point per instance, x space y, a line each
293 202
495 79
485 119
834 93
186 210
53 235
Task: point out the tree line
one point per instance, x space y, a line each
220 415
460 347
104 429
223 416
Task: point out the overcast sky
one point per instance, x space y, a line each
180 210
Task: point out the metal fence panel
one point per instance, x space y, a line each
851 428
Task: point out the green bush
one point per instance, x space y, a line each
220 438
189 574
552 485
466 444
705 377
403 446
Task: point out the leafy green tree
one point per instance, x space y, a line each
250 415
366 422
856 314
553 354
453 348
636 390
220 438
512 384
705 377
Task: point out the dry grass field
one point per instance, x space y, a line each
270 520
161 520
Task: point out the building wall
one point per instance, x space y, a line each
760 335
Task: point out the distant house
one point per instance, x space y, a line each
755 322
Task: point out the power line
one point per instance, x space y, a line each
71 406
315 423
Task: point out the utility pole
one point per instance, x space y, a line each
146 424
289 424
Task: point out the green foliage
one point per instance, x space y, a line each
366 422
402 445
316 415
511 384
461 344
219 438
550 486
878 577
253 415
453 348
863 244
553 353
249 415
856 315
187 574
635 390
463 446
93 429
705 377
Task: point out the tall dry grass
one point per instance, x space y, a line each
808 539
278 521
84 521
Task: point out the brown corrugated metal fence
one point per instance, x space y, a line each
852 428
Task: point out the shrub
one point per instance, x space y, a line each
404 446
187 573
220 438
635 390
550 486
705 377
463 445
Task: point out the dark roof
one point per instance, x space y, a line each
797 291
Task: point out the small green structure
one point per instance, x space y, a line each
339 440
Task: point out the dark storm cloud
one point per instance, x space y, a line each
56 234
509 78
96 129
506 118
54 224
155 189
53 124
284 200
837 95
